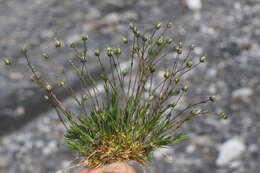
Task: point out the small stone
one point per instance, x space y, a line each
194 5
162 152
190 148
230 151
20 110
16 75
4 162
242 94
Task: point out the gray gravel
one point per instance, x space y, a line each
227 31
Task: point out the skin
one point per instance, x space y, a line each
119 167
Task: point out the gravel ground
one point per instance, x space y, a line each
227 31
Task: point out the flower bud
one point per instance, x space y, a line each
125 40
166 75
84 97
178 49
185 88
72 45
189 64
84 37
110 52
57 43
222 115
145 38
158 26
61 84
34 70
103 77
48 87
195 111
203 59
97 53
169 25
131 26
117 51
24 50
6 61
46 97
124 72
173 105
177 80
160 41
152 68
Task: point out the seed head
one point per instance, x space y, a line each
117 51
57 43
110 52
203 59
177 80
152 68
84 37
160 41
222 115
185 88
189 64
195 111
72 45
97 53
48 87
24 50
6 61
46 97
169 25
61 84
158 26
125 40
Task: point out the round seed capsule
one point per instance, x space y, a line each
61 84
57 43
72 45
84 37
203 59
223 115
97 53
125 40
48 87
169 25
158 26
6 61
117 51
189 64
46 97
23 50
195 111
185 88
110 51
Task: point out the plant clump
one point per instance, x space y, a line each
137 113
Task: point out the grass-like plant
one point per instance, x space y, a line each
137 114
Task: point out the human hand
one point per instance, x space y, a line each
119 167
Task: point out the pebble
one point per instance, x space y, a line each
162 152
230 151
51 147
4 162
242 94
194 5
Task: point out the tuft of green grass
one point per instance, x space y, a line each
138 113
